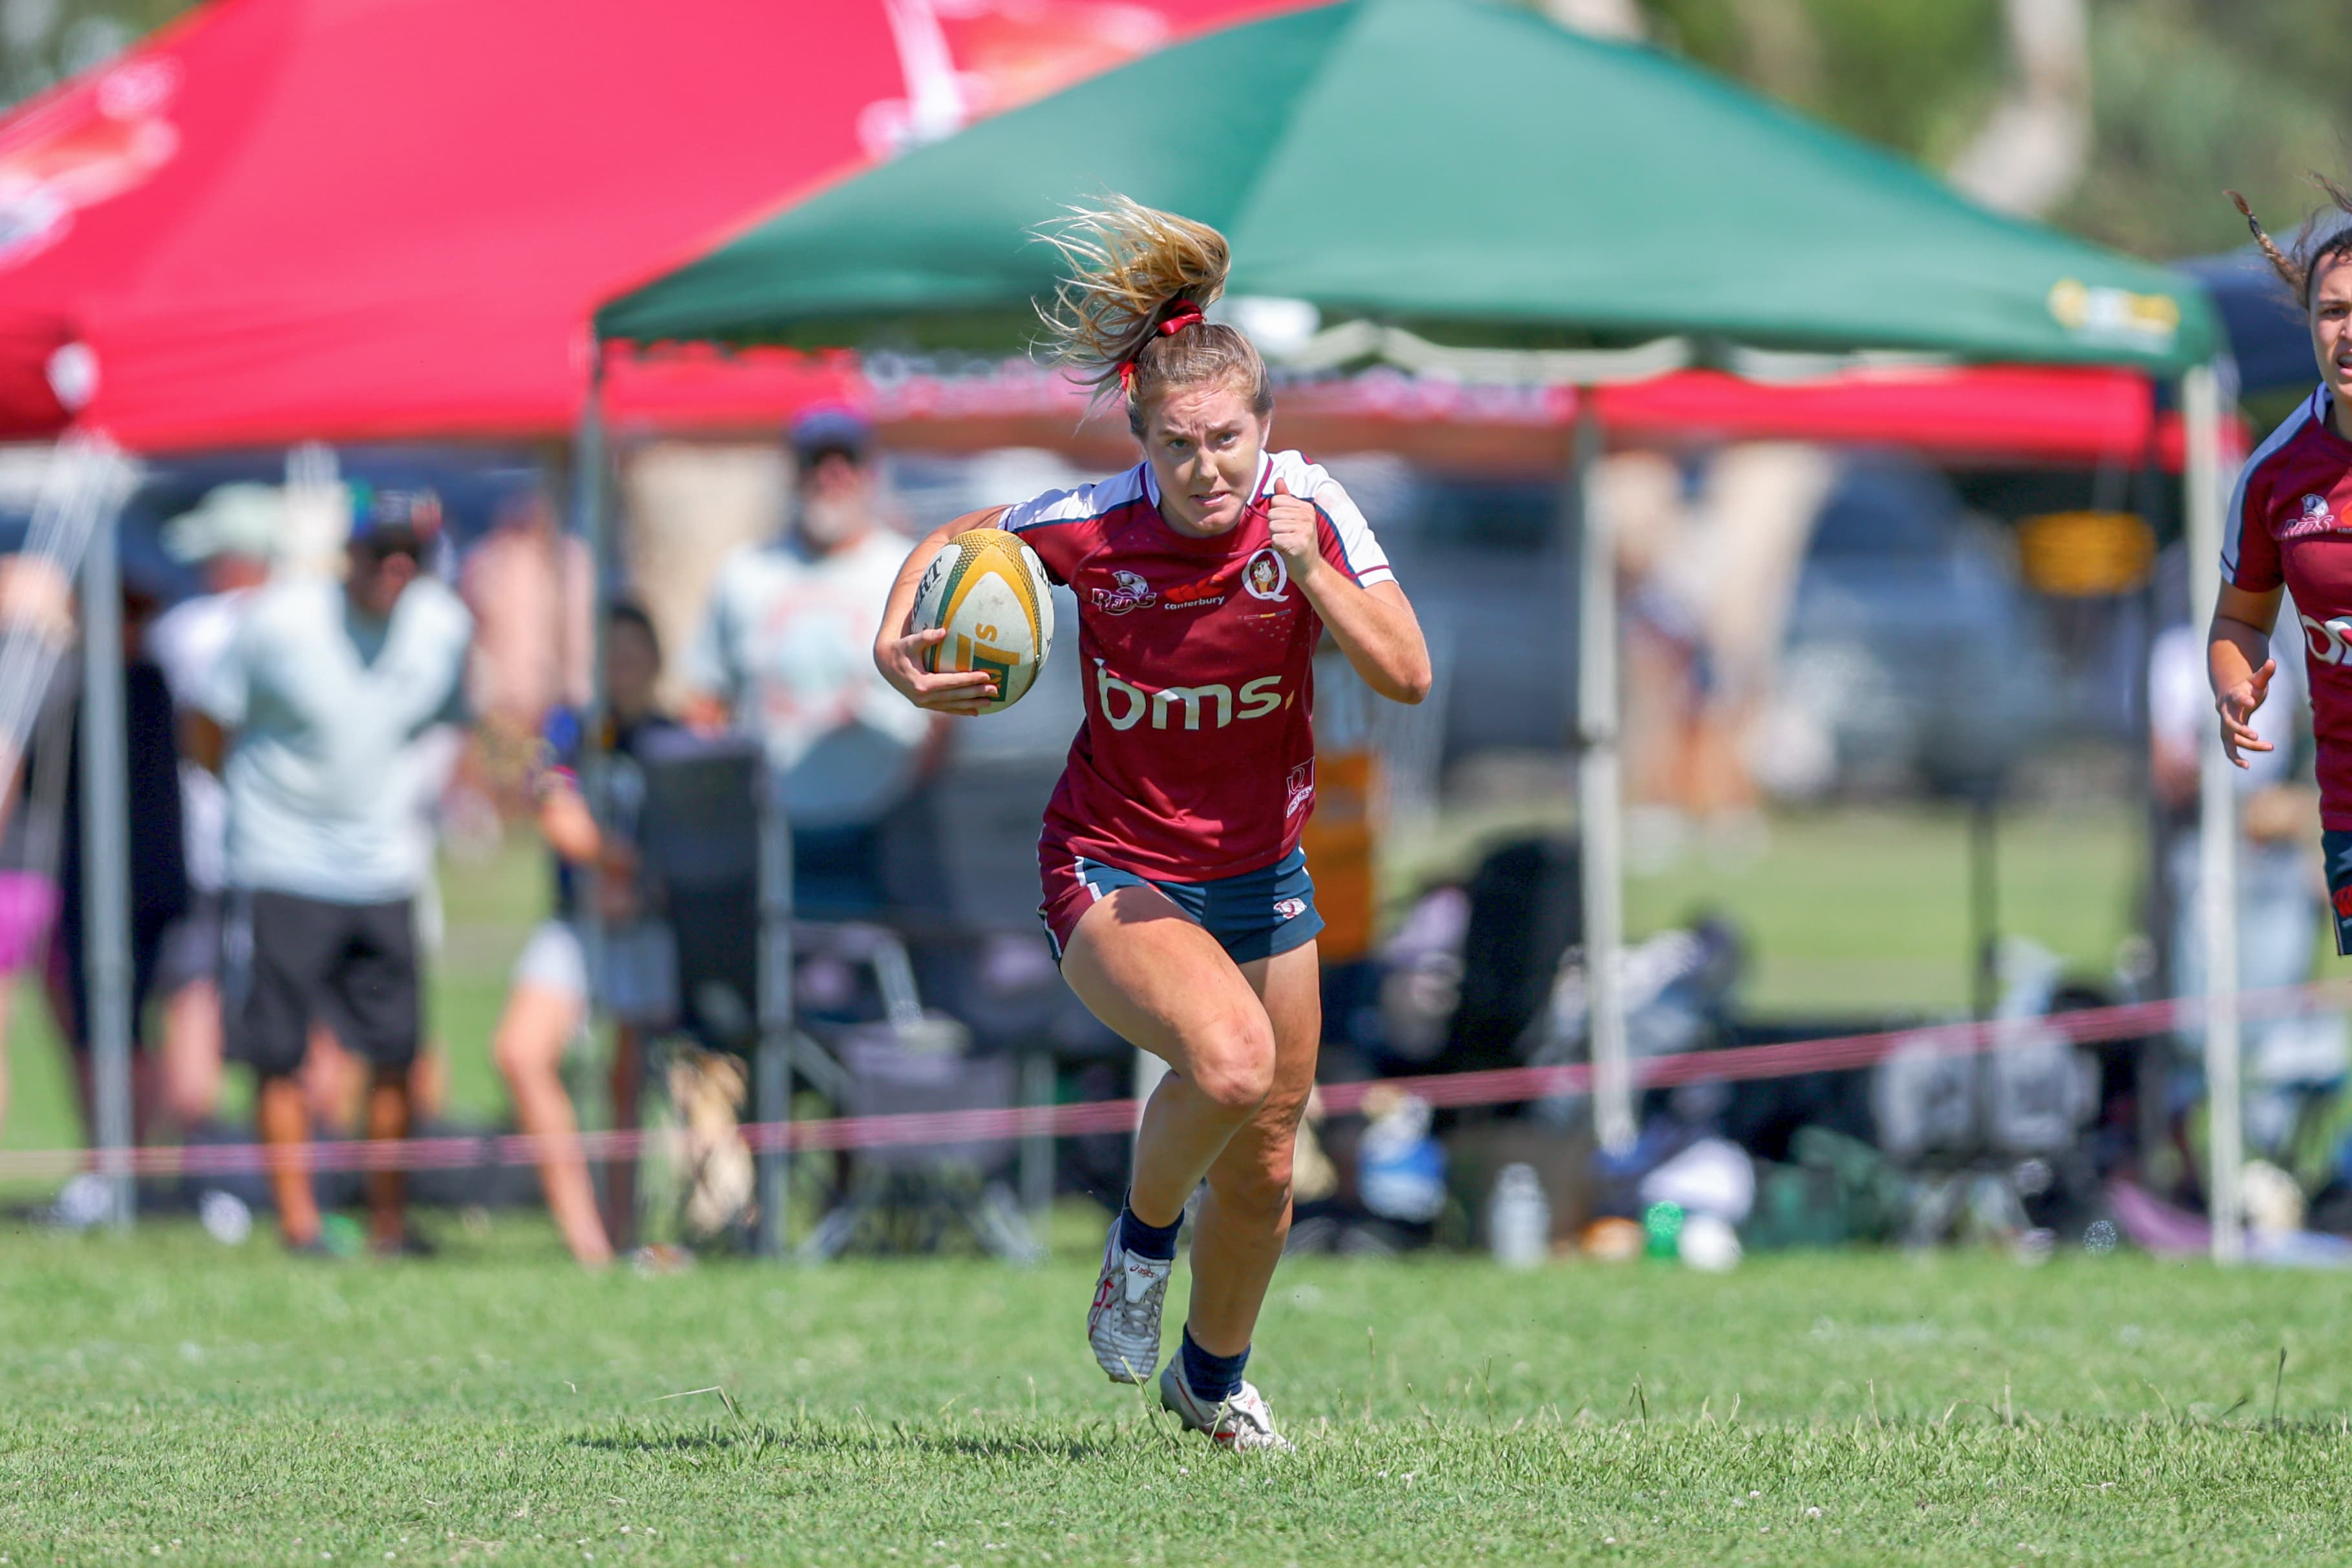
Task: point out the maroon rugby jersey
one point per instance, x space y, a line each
2290 520
1196 760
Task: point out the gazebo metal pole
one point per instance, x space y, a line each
106 863
590 511
2217 837
1598 817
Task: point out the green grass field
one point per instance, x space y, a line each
170 1398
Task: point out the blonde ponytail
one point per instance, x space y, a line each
1126 320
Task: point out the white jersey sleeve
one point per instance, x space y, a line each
1348 539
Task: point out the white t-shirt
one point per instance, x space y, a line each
787 642
2181 703
186 643
325 711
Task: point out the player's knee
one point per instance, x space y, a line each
519 1053
1257 1194
1236 1071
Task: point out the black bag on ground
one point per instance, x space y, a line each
1526 909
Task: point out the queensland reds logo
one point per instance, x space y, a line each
1267 577
2343 899
1127 590
1298 789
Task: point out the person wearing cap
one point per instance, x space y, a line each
778 656
229 537
313 716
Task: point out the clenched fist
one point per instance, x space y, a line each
1294 525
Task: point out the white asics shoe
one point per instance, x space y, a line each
1241 1423
1123 1326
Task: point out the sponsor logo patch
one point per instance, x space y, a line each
1127 590
1123 704
2344 901
1289 908
1198 596
2313 516
1299 789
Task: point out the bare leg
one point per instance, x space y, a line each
331 1079
620 1175
428 1079
1164 983
1244 1216
192 1052
387 1191
536 1027
284 1117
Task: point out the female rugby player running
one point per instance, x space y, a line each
1176 894
2289 527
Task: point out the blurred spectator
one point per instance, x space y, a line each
637 979
314 715
36 615
159 875
230 537
1709 577
531 589
777 656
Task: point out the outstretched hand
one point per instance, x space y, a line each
904 662
2237 706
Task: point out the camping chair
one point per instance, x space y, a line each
713 842
910 1198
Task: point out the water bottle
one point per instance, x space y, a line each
1518 1218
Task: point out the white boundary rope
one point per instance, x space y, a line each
1503 1086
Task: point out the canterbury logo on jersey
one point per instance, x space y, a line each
1125 704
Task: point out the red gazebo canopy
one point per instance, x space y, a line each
280 220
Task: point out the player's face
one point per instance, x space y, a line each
2331 325
1204 444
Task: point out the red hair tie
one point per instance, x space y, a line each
1185 314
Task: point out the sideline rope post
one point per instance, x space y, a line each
1598 818
2217 834
106 850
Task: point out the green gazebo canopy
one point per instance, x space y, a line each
1465 170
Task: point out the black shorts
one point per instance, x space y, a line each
191 945
289 961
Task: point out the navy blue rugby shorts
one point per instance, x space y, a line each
1255 915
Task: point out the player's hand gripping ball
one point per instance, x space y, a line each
988 593
1292 522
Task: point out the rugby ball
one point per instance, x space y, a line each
989 593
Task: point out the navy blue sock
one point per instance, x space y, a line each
1153 1241
1211 1378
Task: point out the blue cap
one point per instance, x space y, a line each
832 427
